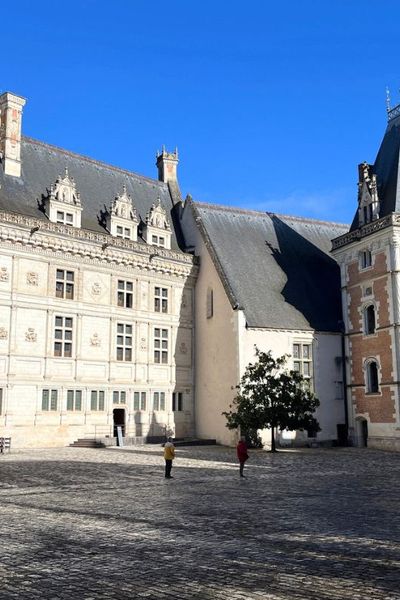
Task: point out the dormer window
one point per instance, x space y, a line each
122 220
368 201
157 230
62 204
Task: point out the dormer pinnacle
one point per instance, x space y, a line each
63 201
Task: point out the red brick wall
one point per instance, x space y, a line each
380 407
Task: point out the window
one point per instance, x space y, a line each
177 401
369 320
74 400
123 232
372 377
159 401
125 293
160 299
97 400
49 399
158 240
366 259
63 337
65 218
210 303
139 401
124 342
64 284
119 397
1 401
302 360
161 346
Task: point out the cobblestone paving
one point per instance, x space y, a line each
84 524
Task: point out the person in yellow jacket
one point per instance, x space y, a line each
169 455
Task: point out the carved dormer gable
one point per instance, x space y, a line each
122 220
157 230
63 203
368 201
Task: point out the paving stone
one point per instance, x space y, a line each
91 524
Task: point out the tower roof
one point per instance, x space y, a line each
386 169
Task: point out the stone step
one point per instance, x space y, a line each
86 443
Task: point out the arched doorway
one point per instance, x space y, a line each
362 432
119 420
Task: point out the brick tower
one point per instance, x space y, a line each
369 259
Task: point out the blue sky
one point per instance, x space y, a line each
272 105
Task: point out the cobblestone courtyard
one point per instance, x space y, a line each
312 524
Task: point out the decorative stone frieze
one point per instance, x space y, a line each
32 278
96 289
95 340
4 274
30 335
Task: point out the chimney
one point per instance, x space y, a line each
10 133
167 163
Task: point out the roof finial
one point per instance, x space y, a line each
388 108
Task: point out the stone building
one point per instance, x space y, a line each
96 297
122 305
265 280
369 259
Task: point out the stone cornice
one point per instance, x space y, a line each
92 247
365 230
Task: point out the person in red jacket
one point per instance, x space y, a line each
242 455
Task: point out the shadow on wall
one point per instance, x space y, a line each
313 277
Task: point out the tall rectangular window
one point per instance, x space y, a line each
160 299
125 293
1 401
119 397
65 284
177 401
139 401
302 360
124 342
365 259
97 400
74 400
63 337
49 400
159 401
161 346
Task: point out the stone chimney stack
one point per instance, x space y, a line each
10 133
167 163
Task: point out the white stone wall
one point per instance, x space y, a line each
28 307
224 347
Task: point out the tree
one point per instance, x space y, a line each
270 396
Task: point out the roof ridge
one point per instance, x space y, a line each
248 211
90 160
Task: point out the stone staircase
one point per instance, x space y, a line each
86 443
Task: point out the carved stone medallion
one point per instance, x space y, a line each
31 335
32 278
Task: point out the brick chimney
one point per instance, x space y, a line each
167 163
10 133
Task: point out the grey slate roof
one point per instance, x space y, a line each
98 184
386 168
276 268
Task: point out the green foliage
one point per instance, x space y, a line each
270 396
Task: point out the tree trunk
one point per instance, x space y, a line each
273 447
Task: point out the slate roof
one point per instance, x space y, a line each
386 168
278 269
97 182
